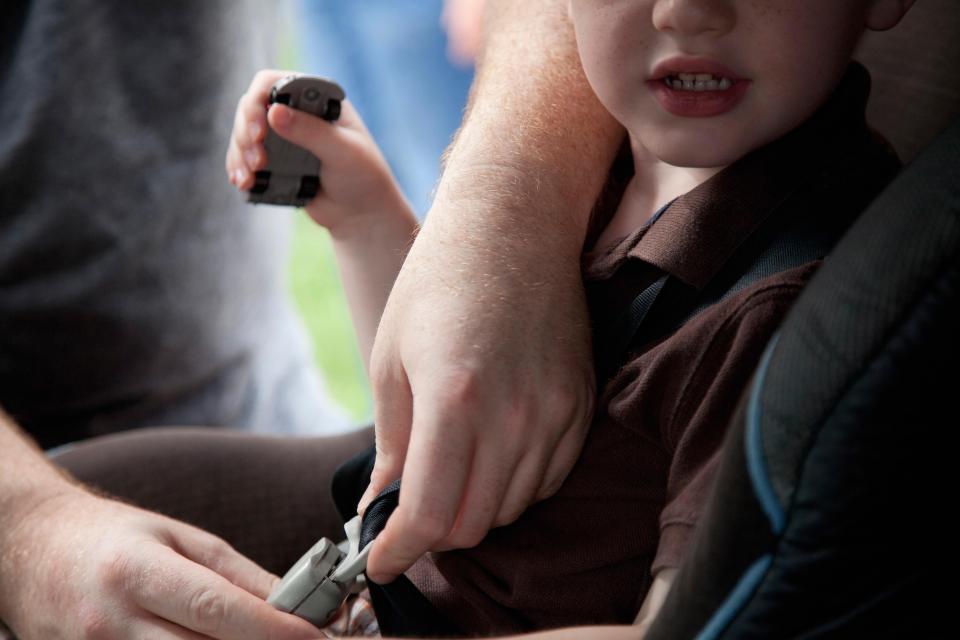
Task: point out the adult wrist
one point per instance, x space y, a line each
23 546
24 510
29 480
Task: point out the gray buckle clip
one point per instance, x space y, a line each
319 582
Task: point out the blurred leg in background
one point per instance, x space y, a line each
268 496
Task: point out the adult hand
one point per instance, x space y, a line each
80 566
483 389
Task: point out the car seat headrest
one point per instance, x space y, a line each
915 90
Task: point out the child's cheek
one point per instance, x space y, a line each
611 48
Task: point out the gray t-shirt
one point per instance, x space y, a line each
136 286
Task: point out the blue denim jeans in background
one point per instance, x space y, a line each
390 57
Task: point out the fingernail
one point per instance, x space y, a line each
364 501
242 176
255 130
380 578
251 156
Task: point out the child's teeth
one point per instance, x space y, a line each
697 82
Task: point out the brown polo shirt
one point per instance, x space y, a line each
631 502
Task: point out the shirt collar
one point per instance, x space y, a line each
695 235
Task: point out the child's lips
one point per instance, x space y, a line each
689 103
676 65
696 86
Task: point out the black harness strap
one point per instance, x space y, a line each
402 611
400 607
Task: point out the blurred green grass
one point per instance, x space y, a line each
315 285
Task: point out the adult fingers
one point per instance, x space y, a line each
393 415
157 629
218 556
161 630
561 462
546 464
490 477
195 598
524 486
435 474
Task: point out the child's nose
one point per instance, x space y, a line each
694 17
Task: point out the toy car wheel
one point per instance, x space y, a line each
332 111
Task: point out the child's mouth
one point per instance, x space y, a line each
698 95
697 82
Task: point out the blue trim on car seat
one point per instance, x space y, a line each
735 601
756 464
762 487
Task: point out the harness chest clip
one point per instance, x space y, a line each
320 581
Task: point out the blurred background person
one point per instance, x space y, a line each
136 288
463 21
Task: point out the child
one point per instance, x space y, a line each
737 111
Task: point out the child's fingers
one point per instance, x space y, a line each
250 122
350 119
326 140
230 162
262 83
237 170
241 164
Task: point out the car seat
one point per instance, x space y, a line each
830 515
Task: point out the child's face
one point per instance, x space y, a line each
772 64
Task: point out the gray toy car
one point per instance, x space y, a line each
292 174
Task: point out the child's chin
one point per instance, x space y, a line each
701 158
695 154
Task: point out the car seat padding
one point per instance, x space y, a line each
827 518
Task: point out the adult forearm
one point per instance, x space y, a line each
28 483
536 144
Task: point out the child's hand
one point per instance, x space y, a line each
356 186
